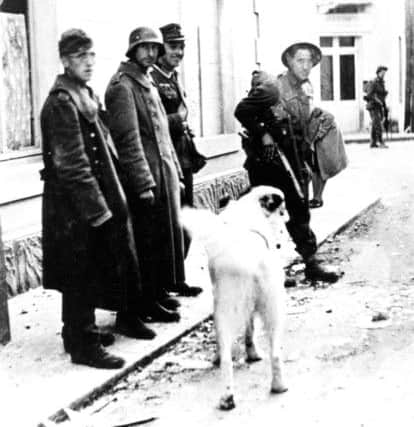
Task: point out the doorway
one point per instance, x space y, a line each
339 91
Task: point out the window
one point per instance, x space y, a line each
338 68
326 41
15 87
346 41
327 78
347 76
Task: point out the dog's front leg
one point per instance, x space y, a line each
253 355
276 361
273 319
224 342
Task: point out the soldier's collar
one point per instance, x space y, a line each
134 71
166 74
294 81
81 95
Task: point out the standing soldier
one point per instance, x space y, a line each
375 97
276 113
150 172
88 251
165 77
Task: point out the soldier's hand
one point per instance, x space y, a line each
267 140
182 111
268 152
147 197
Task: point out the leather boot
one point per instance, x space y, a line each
290 282
105 338
167 301
132 326
94 355
185 290
155 312
315 271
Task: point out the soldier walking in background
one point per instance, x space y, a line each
276 113
165 77
150 172
377 107
88 249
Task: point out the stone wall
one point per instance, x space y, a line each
23 257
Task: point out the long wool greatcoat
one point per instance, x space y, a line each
139 128
82 189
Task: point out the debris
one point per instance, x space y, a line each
379 316
328 311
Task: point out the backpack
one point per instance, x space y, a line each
366 88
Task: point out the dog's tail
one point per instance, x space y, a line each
201 223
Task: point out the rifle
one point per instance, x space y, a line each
276 155
386 120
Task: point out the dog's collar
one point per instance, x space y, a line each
262 236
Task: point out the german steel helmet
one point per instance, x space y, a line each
143 35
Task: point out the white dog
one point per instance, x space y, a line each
243 246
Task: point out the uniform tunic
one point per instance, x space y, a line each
173 98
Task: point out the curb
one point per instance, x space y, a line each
60 415
344 226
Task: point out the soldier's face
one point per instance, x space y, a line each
146 54
300 64
174 53
79 65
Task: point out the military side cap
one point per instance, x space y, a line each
381 68
72 40
316 52
172 33
143 35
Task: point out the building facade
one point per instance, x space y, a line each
225 41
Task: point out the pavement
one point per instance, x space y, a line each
37 379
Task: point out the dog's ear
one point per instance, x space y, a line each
271 202
277 200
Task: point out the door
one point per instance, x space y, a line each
338 89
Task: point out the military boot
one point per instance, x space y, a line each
155 312
93 354
105 338
316 272
130 325
167 301
185 290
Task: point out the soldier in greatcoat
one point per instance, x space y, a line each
88 248
150 172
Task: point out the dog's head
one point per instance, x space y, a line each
270 199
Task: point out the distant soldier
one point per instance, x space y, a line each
276 113
88 249
377 107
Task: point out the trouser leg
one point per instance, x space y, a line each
78 317
187 200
